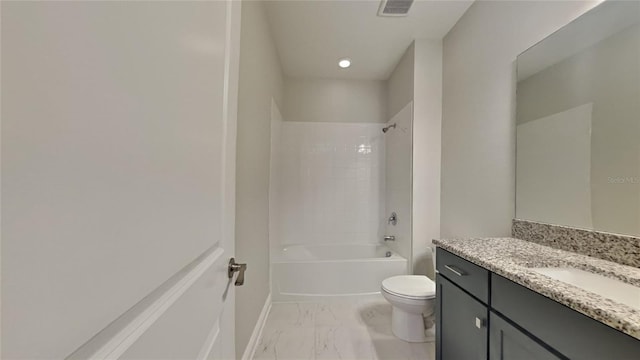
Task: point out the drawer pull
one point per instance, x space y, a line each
455 270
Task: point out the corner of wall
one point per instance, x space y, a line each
400 83
427 131
261 83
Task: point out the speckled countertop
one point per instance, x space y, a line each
513 258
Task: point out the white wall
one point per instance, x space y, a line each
400 83
400 107
261 81
277 122
418 78
335 100
427 129
478 129
112 158
330 183
398 154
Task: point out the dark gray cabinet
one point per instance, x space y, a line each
570 333
481 315
468 276
461 331
506 342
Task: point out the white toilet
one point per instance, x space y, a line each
413 299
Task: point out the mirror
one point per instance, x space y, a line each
578 123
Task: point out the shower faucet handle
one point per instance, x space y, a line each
389 238
393 219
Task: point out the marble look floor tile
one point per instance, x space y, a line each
387 346
343 342
291 314
338 313
423 351
374 311
341 328
295 343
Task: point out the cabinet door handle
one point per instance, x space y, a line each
455 270
479 323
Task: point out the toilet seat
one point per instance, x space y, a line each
418 287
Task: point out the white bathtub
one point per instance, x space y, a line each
300 272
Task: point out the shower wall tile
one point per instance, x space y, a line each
328 183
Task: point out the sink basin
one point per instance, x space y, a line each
613 289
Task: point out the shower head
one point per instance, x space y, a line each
385 129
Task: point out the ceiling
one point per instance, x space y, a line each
311 35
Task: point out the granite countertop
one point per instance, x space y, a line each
513 258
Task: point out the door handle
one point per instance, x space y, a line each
239 268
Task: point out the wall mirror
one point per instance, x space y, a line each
578 123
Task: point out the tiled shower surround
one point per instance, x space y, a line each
327 183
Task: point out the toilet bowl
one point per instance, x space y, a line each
412 298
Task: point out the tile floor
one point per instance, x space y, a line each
341 328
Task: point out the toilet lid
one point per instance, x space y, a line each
410 286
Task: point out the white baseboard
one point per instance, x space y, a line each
250 350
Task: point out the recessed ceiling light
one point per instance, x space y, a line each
344 63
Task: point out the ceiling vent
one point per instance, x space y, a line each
394 7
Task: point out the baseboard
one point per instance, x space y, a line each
250 350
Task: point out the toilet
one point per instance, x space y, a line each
413 299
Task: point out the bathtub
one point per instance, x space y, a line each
301 272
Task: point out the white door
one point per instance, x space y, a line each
118 172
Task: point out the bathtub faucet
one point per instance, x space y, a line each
390 238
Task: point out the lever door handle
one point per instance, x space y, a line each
239 268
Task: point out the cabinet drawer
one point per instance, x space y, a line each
470 277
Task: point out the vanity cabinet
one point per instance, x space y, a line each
506 342
481 315
558 327
461 323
